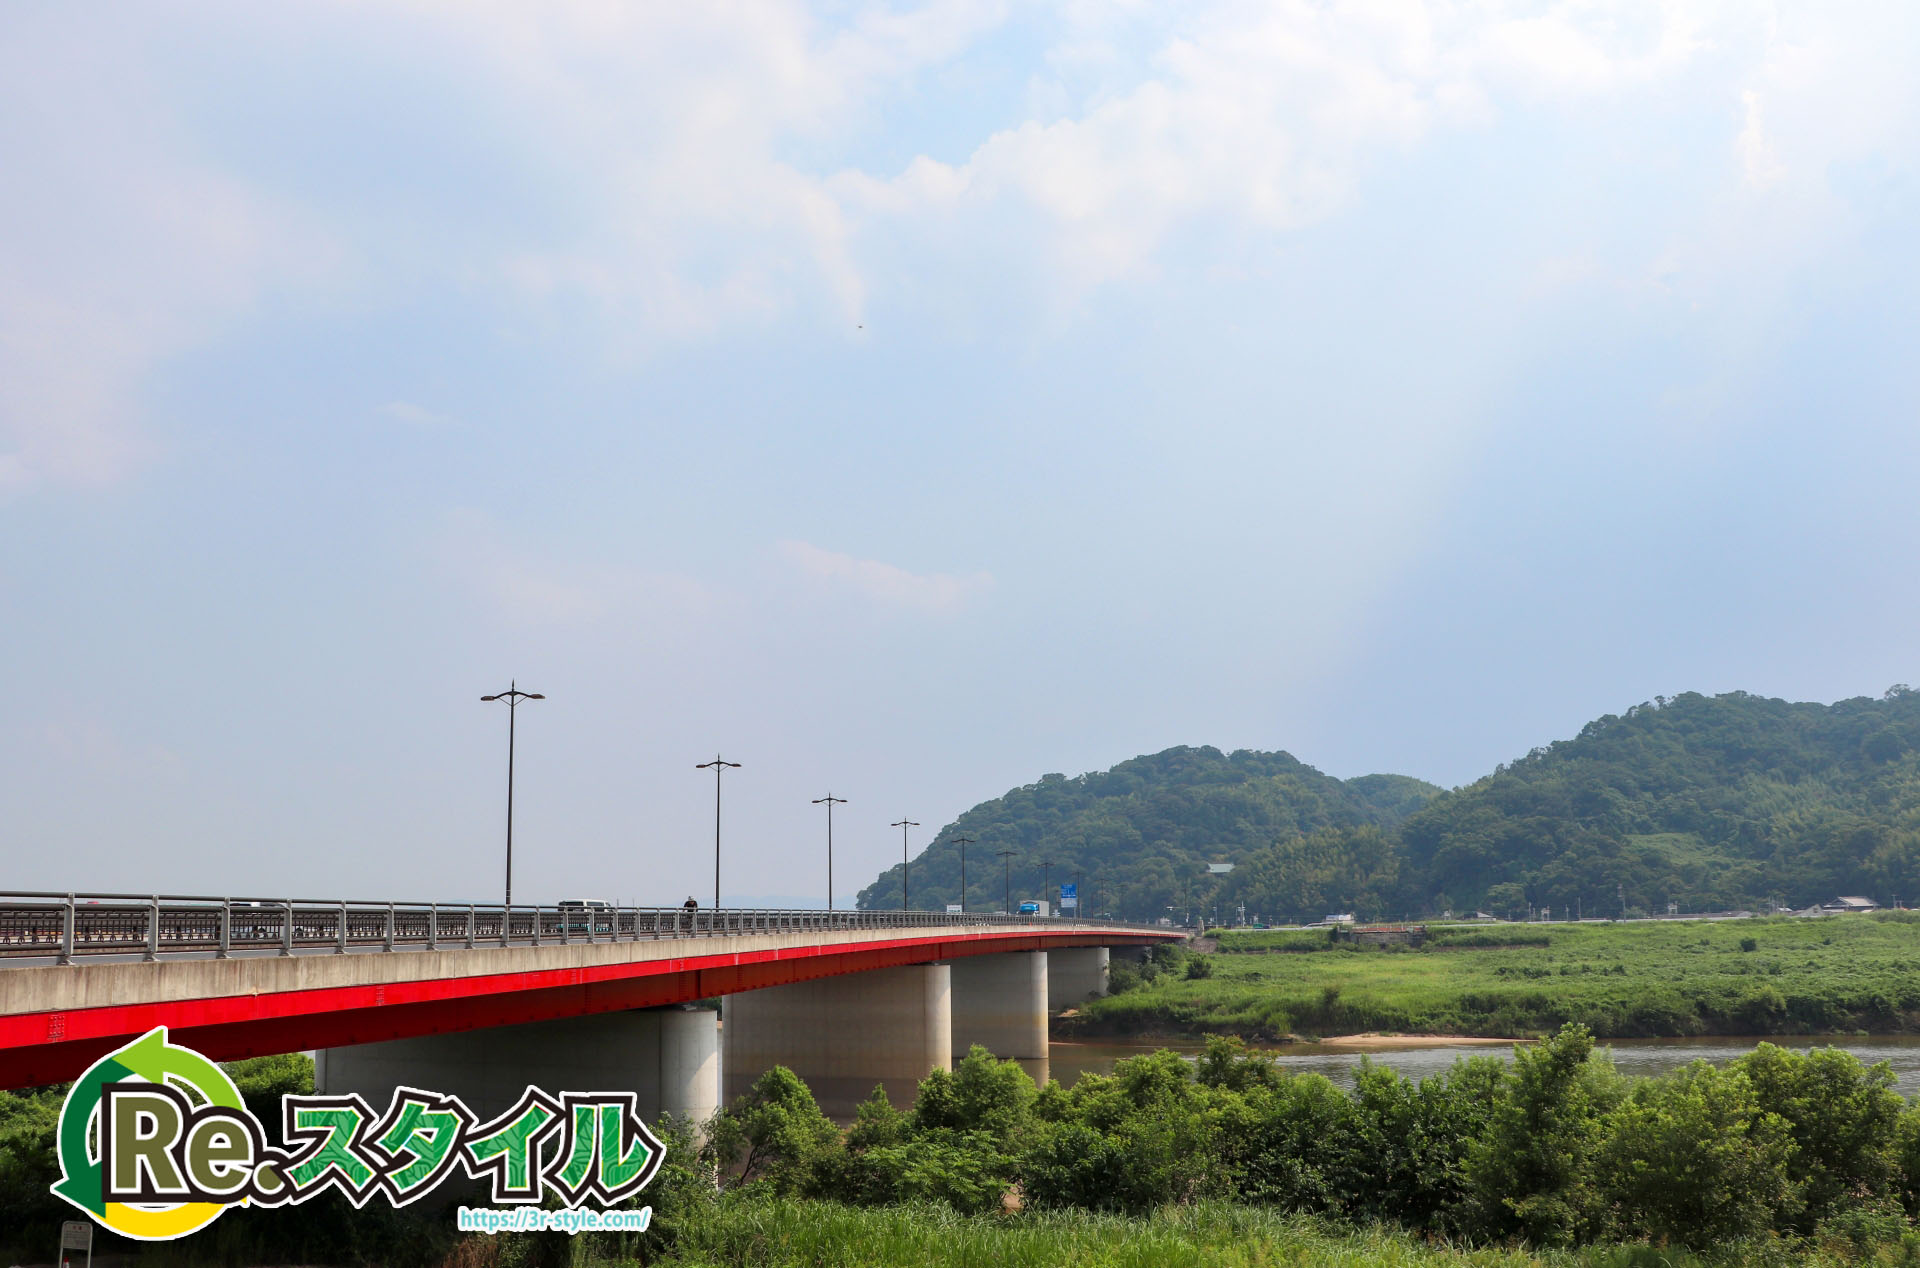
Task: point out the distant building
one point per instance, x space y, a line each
1850 904
1219 869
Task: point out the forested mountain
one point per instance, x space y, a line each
1707 802
1703 801
1139 836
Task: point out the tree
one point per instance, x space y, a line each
775 1133
1508 898
1844 1121
1531 1171
1693 1158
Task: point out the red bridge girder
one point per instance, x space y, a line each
38 1048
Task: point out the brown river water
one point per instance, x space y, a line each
1069 1060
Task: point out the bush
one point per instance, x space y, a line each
1693 1158
775 1134
1844 1119
1858 1233
981 1094
1531 1171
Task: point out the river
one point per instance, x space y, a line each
1068 1061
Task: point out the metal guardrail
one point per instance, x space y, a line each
71 926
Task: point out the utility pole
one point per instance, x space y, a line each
513 696
717 765
829 801
1006 898
963 843
1046 883
903 825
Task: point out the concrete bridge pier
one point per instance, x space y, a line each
1000 1003
669 1057
843 1034
1075 975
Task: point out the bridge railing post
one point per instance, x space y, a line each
153 930
433 926
389 938
506 922
538 920
286 929
469 926
66 932
225 951
340 930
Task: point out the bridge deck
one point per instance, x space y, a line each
56 1019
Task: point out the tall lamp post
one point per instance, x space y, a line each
903 825
829 801
1006 897
1046 883
513 696
718 766
963 843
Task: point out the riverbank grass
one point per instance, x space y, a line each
778 1234
1838 975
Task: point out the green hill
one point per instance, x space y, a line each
1137 838
1705 802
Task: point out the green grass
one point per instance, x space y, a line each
787 1234
1831 976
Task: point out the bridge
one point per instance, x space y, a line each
483 999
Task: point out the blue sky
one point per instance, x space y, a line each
908 401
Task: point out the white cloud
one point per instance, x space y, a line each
694 158
1266 114
935 592
1757 159
535 588
119 249
417 415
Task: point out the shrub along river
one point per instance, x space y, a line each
1070 1060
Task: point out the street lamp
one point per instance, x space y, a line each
963 843
1006 898
513 696
903 825
718 765
1046 882
829 801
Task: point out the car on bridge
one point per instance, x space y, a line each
586 915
